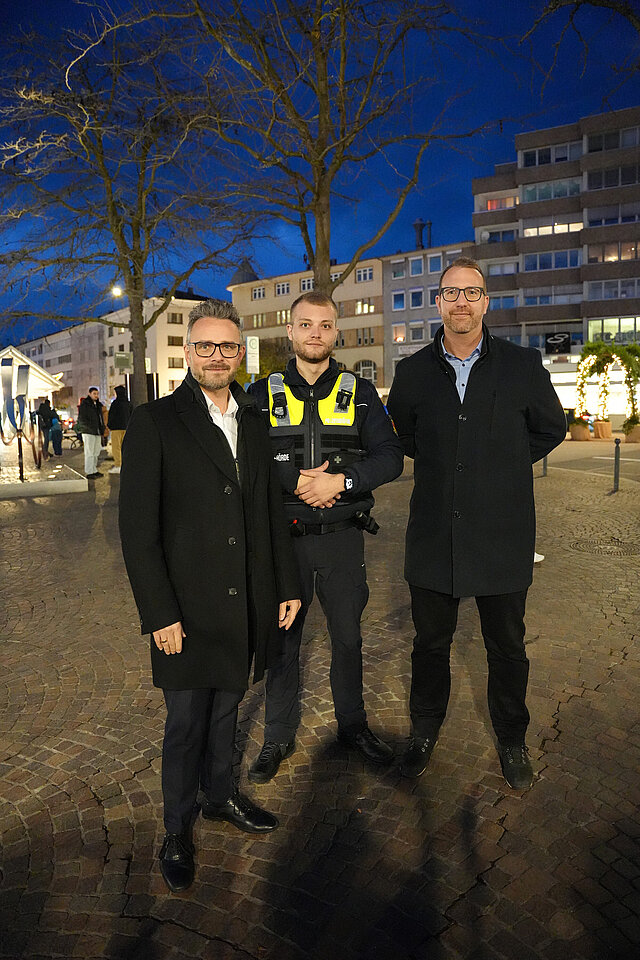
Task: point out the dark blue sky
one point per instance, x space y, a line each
505 87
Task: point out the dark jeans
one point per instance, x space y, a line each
197 750
333 565
435 616
56 440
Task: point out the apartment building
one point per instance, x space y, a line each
264 305
558 230
410 285
99 354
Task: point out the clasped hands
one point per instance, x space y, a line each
317 488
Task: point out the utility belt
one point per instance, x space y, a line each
360 520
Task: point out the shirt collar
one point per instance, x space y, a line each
474 353
232 405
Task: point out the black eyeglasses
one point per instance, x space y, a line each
206 348
451 294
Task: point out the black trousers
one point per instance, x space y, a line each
197 750
333 565
435 616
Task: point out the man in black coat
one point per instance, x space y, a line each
207 552
474 412
119 415
91 426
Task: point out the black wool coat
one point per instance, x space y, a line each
205 543
471 529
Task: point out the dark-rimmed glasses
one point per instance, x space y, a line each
451 294
206 348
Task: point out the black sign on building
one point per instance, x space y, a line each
557 342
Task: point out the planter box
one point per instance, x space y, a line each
634 435
602 429
579 431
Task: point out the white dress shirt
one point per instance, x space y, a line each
226 421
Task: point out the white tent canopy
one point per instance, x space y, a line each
40 383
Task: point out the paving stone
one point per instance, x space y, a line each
365 865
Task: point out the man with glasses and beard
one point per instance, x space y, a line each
475 412
207 551
333 443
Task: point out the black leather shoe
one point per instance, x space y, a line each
242 813
516 766
368 745
176 861
416 759
265 766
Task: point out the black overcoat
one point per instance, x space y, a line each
204 543
471 528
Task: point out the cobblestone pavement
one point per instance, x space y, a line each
365 864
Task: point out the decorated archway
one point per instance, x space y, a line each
598 359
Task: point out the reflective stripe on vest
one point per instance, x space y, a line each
281 401
339 409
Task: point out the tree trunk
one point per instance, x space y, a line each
322 217
138 348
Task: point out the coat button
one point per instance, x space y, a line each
228 490
232 592
232 541
461 416
456 514
459 467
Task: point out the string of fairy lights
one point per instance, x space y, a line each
604 366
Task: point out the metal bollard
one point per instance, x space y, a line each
616 467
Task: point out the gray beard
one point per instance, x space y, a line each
213 379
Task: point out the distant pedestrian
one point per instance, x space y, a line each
119 415
91 426
475 412
55 435
46 413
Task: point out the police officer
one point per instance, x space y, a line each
333 443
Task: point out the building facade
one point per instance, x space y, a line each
558 230
264 305
410 285
99 354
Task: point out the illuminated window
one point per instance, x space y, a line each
365 305
501 203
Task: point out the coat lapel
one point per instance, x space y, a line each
207 435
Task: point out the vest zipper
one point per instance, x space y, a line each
312 431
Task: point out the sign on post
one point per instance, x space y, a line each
252 358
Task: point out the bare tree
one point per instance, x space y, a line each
108 176
318 92
569 15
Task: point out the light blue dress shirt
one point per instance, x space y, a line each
462 368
